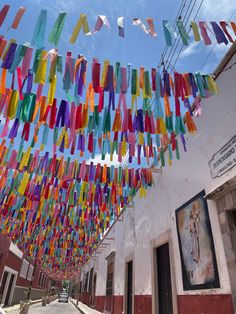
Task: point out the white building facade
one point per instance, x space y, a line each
175 250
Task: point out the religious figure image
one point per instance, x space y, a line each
194 228
197 252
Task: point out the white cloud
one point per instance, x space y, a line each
217 10
62 5
192 48
213 56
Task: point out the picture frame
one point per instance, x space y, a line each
196 245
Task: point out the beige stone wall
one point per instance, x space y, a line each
226 206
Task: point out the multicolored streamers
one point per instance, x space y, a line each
221 31
114 129
55 210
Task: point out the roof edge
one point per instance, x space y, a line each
228 56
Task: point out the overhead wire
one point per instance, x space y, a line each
185 21
166 49
182 6
181 48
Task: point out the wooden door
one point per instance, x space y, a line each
165 303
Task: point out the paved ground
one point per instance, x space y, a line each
53 308
85 309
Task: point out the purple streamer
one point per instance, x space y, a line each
183 141
29 82
81 75
14 129
140 126
61 114
187 105
139 151
7 62
121 32
193 84
13 80
144 151
61 148
111 99
166 80
220 36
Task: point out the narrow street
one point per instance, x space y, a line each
118 156
53 308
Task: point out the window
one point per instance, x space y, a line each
24 268
14 249
30 273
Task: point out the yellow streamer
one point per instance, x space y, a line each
104 73
195 31
52 90
140 138
82 22
12 105
40 76
212 84
24 183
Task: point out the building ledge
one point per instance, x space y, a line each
226 187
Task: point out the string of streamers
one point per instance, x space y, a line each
110 129
222 31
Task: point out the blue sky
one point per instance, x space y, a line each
136 48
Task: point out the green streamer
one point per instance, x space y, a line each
177 151
147 85
162 157
55 33
134 82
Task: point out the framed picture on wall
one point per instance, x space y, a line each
198 259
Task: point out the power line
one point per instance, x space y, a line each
181 8
175 47
178 55
190 8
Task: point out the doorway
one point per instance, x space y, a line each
164 288
8 285
129 287
3 285
94 289
9 289
109 282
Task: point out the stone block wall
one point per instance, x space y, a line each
226 207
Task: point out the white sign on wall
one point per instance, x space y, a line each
30 272
24 268
224 159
